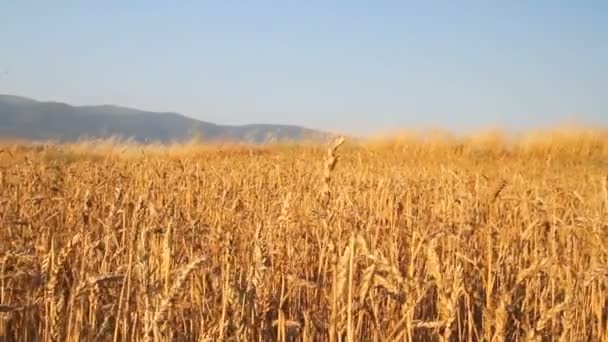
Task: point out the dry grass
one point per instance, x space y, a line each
402 239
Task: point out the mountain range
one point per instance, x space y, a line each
26 118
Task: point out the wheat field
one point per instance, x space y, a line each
481 238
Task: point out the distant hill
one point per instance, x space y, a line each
21 117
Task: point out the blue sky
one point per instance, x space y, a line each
353 66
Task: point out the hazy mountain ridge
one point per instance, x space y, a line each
22 117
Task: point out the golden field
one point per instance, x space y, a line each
411 238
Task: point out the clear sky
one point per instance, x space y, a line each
353 66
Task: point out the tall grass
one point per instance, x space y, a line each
481 238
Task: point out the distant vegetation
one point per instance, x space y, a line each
402 239
26 118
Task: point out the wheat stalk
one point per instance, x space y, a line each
162 313
330 164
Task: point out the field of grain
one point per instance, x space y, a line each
401 239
